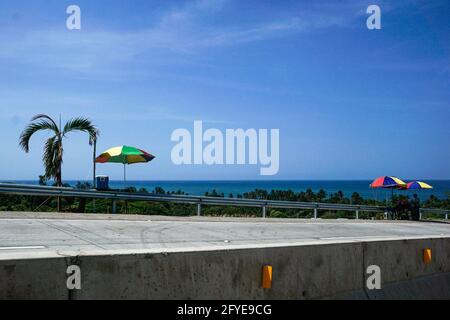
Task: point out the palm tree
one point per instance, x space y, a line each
93 142
53 148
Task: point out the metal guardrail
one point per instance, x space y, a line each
32 190
444 212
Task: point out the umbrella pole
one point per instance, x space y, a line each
392 197
392 201
124 176
125 183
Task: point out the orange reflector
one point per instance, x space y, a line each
267 277
427 255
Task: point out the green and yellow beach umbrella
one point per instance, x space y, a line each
124 155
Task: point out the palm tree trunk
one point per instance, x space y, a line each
58 209
59 182
94 173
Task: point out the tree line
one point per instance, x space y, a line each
403 206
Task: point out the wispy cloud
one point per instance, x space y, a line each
16 108
180 32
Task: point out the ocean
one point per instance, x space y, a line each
441 188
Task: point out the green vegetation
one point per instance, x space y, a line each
404 208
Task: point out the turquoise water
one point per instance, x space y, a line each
441 187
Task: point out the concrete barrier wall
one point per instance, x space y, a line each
299 272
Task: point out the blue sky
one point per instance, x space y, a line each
350 103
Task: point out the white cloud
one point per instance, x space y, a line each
181 32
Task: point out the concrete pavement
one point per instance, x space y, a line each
25 234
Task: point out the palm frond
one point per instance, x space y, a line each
81 124
92 139
32 128
46 117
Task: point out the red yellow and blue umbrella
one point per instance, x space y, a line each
418 185
124 155
387 182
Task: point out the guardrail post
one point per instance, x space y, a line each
420 214
315 213
199 209
264 212
357 214
446 216
114 207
